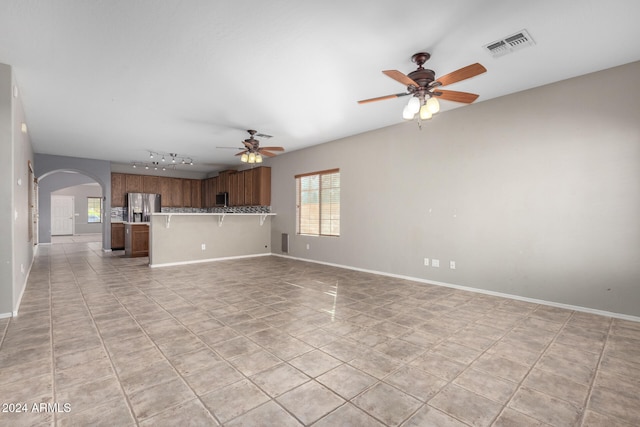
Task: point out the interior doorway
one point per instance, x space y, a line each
62 215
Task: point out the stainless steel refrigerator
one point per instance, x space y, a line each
141 205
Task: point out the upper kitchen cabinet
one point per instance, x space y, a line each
134 183
257 186
186 193
117 189
150 184
196 193
176 193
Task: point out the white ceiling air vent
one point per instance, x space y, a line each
510 44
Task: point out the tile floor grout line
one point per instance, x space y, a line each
246 377
486 351
104 348
595 374
167 360
51 346
542 353
527 324
209 347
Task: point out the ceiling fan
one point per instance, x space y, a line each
252 152
424 88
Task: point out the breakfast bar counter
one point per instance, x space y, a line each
184 238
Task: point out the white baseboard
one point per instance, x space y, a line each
5 315
477 290
24 285
199 261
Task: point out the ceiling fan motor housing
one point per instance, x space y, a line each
422 76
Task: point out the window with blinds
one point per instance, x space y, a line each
318 203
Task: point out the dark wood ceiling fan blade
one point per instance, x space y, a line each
400 77
272 148
241 153
266 153
461 74
452 95
382 98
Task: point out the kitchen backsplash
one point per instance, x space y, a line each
118 214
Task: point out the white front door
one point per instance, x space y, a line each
61 215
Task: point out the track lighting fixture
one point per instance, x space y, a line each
185 160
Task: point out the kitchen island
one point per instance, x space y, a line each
185 238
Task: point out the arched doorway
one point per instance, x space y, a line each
98 170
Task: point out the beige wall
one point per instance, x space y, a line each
16 247
181 241
535 194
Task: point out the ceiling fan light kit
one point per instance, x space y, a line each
252 152
421 85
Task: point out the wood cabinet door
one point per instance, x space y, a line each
262 186
164 187
176 190
249 186
117 236
134 183
236 189
117 190
186 193
196 193
150 184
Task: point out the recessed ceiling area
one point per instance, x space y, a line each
116 80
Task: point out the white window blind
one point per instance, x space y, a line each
318 203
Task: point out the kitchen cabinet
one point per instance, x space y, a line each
134 183
196 193
257 186
250 187
150 184
261 186
164 188
117 189
209 191
236 189
176 193
136 240
117 236
186 193
223 180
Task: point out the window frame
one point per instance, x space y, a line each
89 207
319 224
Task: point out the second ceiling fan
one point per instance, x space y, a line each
424 88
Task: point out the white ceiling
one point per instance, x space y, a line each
113 80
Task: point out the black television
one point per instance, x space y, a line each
222 199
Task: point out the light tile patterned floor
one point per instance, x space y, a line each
277 342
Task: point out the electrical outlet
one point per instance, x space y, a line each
307 246
435 263
204 246
426 262
452 265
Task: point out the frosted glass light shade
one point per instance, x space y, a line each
414 105
433 105
425 114
244 158
258 158
407 114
